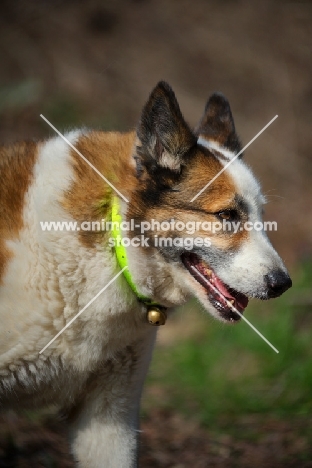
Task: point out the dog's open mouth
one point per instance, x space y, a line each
223 298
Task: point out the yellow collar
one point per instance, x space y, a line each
121 253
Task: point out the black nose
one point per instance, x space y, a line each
277 282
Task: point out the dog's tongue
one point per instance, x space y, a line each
221 286
240 300
213 284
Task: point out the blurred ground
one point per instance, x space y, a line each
93 64
168 440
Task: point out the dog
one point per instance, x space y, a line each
52 281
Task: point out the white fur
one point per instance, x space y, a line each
213 145
50 278
256 257
168 160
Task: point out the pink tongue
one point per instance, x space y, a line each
221 287
240 300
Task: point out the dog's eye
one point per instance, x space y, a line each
228 215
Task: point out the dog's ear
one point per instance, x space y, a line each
164 136
217 123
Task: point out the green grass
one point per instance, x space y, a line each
229 371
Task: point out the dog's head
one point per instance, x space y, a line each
221 256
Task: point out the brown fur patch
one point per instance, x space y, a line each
16 173
89 197
202 167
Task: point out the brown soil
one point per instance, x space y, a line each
168 440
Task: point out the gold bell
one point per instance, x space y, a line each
156 316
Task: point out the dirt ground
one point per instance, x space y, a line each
167 440
94 63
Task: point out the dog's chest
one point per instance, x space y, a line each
48 278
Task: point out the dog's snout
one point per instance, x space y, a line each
277 281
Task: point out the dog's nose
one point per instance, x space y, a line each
277 282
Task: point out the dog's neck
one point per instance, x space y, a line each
121 255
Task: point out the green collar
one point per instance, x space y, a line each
121 253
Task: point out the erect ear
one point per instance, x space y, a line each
217 123
164 136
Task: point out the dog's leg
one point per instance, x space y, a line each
104 424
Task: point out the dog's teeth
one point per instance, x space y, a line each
232 301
